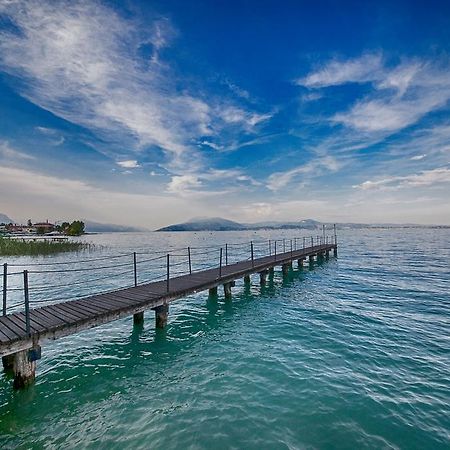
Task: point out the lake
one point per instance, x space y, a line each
354 353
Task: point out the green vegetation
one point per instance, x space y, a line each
19 247
76 228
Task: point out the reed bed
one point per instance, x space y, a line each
19 247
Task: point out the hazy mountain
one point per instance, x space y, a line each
5 219
205 224
220 224
96 227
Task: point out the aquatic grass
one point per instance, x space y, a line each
20 247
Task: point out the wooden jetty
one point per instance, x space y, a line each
22 333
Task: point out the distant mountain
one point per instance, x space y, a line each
5 219
96 227
205 224
220 224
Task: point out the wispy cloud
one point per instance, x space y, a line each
402 94
129 164
80 60
315 167
424 178
9 153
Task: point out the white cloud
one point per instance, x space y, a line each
418 157
315 167
335 72
401 95
129 164
424 178
49 196
79 60
9 153
183 184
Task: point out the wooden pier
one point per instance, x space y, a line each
23 332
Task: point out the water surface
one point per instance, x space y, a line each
352 354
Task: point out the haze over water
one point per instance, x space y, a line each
352 354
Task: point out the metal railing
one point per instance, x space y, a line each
134 269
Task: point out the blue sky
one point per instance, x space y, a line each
149 113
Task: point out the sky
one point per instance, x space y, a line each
148 113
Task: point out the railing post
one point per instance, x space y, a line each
270 248
251 247
312 241
27 302
323 232
220 263
295 243
5 286
275 252
304 239
284 245
335 235
189 258
226 254
135 268
168 272
291 248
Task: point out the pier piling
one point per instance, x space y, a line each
161 316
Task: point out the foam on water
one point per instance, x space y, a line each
353 354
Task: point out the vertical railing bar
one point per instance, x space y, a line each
270 248
220 263
275 251
5 286
226 254
189 258
168 272
251 248
135 268
27 302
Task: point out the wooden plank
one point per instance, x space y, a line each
3 336
80 315
66 317
11 324
50 318
90 307
114 302
43 320
34 326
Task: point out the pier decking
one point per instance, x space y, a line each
21 333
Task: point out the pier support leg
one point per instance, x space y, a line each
161 316
300 263
24 369
285 269
271 272
227 290
335 252
213 291
247 279
327 255
138 318
263 277
311 260
8 363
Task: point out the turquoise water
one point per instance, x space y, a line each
352 354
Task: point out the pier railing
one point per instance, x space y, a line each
46 283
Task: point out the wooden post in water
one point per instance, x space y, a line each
227 289
285 269
263 277
247 279
213 291
161 316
